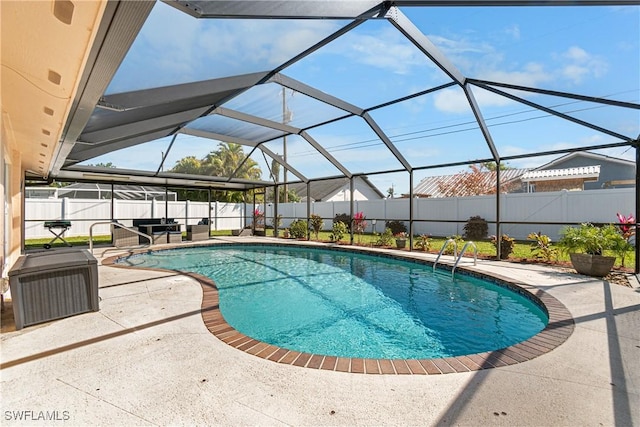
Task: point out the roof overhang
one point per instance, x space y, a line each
586 173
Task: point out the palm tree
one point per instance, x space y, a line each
227 159
189 165
222 162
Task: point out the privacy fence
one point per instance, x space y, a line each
520 214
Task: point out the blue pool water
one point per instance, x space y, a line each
352 305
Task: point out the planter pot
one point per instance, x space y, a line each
260 232
401 243
592 265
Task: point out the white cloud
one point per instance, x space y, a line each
532 74
455 101
581 65
387 50
513 31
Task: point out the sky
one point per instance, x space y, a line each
593 51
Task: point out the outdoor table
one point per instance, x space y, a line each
160 231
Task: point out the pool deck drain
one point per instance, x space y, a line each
559 328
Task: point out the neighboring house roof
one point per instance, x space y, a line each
322 189
585 172
430 186
595 156
125 192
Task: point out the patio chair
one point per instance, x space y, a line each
123 237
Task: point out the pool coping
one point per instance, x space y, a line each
559 328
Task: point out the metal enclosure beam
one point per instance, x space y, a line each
422 42
325 153
385 139
613 102
217 136
237 115
556 113
315 9
288 9
314 93
483 125
236 140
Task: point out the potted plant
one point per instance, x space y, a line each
586 245
401 240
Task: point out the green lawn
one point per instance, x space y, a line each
521 250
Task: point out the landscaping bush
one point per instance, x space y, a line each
385 238
396 227
338 231
506 245
298 229
476 228
541 248
343 218
316 223
423 243
451 246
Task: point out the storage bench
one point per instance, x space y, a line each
52 285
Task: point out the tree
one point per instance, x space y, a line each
103 165
224 161
189 165
292 196
492 166
275 170
227 159
477 182
390 192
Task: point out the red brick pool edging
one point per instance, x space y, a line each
557 331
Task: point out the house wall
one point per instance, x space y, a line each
11 195
609 171
560 184
361 192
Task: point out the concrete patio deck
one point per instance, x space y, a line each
146 358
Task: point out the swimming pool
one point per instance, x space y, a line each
346 304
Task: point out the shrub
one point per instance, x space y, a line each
338 231
476 228
396 227
506 245
423 243
316 223
298 229
385 238
359 222
541 248
343 218
258 218
451 246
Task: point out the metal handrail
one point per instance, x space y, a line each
117 224
475 256
455 251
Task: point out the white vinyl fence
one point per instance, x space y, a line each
433 216
83 212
